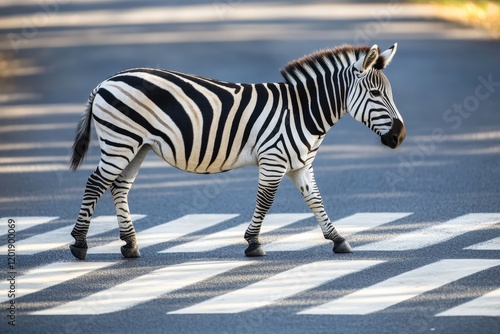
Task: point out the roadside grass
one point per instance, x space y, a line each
479 13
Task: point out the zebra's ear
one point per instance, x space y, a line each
366 62
386 57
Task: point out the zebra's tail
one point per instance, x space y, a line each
82 137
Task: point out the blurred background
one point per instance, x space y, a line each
54 52
78 43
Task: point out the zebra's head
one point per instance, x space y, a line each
369 97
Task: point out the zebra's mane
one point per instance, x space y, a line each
345 55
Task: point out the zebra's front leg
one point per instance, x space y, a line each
305 182
269 181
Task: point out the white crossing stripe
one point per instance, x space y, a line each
23 223
44 277
487 305
278 287
403 287
493 244
345 226
435 234
166 232
234 235
144 288
61 236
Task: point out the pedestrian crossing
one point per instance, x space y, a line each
166 232
188 224
233 235
435 234
210 232
23 223
61 237
166 280
278 287
347 226
144 288
403 287
487 305
492 244
50 275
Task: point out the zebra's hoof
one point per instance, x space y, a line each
255 250
79 252
130 252
342 247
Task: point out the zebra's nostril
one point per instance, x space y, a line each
395 139
391 139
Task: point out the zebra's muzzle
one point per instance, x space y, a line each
396 134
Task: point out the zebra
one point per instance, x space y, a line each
202 125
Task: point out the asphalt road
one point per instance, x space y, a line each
409 273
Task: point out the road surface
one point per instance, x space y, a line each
424 220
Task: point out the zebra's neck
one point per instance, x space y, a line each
320 83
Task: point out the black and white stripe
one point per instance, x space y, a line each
201 125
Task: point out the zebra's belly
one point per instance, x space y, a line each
201 163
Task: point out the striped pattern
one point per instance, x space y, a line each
278 287
435 233
493 244
487 305
59 237
22 223
232 235
349 225
165 281
50 275
403 287
144 288
201 125
285 285
167 232
252 288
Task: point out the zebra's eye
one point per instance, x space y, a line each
375 92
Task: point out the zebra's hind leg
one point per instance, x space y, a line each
97 184
269 180
119 190
305 182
